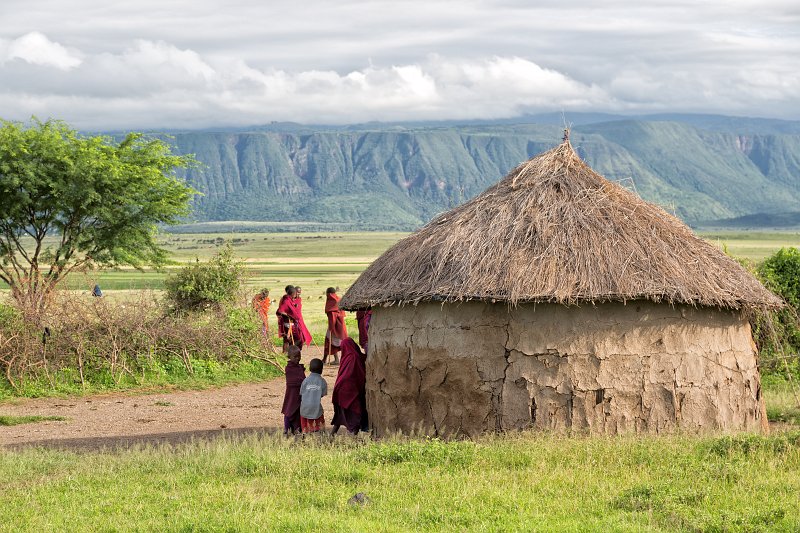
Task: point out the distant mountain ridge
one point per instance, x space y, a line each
391 176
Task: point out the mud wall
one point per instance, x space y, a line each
610 368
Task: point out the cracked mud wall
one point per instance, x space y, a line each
643 367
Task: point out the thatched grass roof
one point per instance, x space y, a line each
554 230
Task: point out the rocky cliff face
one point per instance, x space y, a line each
401 178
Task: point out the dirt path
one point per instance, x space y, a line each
123 419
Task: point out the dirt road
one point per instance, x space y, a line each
111 420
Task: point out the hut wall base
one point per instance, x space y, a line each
610 368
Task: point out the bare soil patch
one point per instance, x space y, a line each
123 419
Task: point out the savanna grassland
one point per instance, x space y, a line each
515 482
316 261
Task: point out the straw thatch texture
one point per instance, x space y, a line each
554 230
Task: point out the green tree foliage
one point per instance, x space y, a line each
779 332
69 201
206 284
781 273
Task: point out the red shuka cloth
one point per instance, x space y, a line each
362 317
295 374
281 307
335 317
351 382
293 308
301 324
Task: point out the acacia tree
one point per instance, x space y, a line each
69 202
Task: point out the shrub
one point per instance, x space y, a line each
777 333
206 284
781 273
96 343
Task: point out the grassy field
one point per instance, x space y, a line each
514 482
316 261
518 482
752 245
782 399
166 375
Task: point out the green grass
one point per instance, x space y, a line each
517 482
169 374
269 246
316 261
319 260
754 245
11 420
781 398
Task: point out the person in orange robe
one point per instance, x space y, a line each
261 303
337 330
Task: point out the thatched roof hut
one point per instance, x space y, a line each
557 298
554 230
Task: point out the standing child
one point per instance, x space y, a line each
295 375
314 387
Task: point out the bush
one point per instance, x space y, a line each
96 343
206 284
781 274
777 333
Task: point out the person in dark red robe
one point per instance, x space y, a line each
337 330
282 318
349 391
292 329
295 374
297 303
363 317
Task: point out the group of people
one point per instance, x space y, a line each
302 404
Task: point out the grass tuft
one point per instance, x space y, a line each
11 420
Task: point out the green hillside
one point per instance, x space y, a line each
398 177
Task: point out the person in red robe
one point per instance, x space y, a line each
298 299
349 391
292 328
337 330
363 317
297 302
295 374
282 319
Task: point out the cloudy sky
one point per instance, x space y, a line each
205 63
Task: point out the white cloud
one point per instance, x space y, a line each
37 49
204 62
154 84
